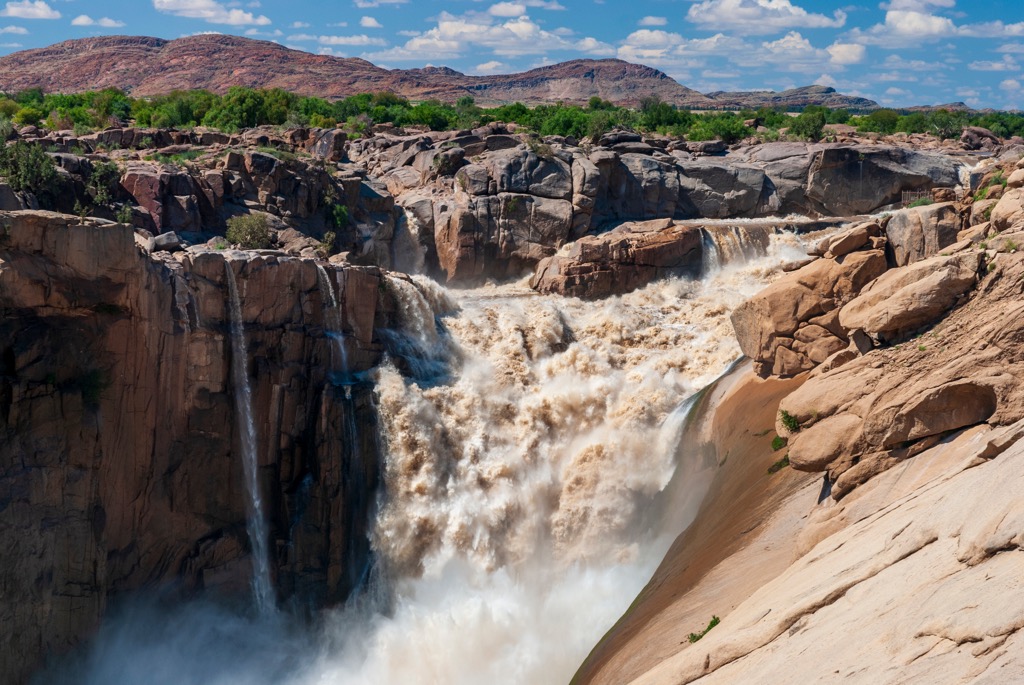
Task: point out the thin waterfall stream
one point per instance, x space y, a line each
256 525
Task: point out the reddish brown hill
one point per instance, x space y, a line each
148 66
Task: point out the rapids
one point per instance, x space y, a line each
530 445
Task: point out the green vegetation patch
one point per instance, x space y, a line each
695 637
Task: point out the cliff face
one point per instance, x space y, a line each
117 467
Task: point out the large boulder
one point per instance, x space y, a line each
524 172
1009 211
714 189
498 235
622 260
903 300
920 232
845 181
790 326
634 187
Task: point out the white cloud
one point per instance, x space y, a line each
361 39
29 9
455 35
653 21
21 31
917 5
1010 84
365 4
370 23
507 9
210 11
847 53
86 20
594 47
1007 63
299 25
492 67
759 16
276 33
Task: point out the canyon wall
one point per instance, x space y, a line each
117 466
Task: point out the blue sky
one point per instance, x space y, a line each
898 52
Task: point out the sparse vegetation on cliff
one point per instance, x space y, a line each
249 231
27 168
694 637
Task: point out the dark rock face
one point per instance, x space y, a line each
118 465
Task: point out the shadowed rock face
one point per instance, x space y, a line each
119 466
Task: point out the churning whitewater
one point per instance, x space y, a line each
533 447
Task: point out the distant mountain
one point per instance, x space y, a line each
796 97
151 66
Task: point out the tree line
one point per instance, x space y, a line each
243 107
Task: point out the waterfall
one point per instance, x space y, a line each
256 526
332 323
711 260
540 458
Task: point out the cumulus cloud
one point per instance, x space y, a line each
492 67
508 9
653 21
1007 63
29 9
454 36
86 20
364 4
370 23
21 31
759 16
847 53
209 11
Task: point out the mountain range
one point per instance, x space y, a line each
147 66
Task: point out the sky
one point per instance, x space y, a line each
897 52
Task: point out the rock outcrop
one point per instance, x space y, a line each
793 325
623 259
118 465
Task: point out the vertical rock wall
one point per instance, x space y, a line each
118 465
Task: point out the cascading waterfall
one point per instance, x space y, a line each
537 468
256 525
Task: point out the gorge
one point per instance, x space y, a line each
471 482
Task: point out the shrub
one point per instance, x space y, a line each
103 182
921 202
789 421
778 442
250 231
28 116
6 128
779 465
326 246
28 168
809 126
694 637
337 216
